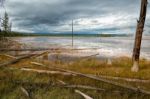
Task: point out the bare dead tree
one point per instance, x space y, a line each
138 37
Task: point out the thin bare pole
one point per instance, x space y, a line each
72 33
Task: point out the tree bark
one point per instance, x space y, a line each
138 37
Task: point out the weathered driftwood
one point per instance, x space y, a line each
61 82
83 94
10 56
90 56
85 49
53 85
25 91
15 60
36 63
104 80
101 79
77 91
39 64
30 49
80 86
26 54
84 87
20 58
42 49
37 54
125 79
46 71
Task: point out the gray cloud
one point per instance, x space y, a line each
56 15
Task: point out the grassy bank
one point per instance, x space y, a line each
43 85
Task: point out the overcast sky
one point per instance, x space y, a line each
90 16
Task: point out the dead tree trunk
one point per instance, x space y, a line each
138 37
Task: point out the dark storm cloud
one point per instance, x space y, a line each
51 15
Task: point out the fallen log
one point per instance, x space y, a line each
25 92
90 56
83 94
85 49
104 80
43 49
30 49
36 84
34 54
10 56
62 82
125 79
36 63
40 54
80 86
25 54
47 71
20 58
15 60
84 87
110 77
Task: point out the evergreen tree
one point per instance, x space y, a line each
5 23
1 5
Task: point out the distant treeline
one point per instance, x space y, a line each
15 34
18 34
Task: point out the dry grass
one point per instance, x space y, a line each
4 58
120 67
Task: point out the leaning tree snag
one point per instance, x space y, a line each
138 37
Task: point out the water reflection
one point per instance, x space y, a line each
106 46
